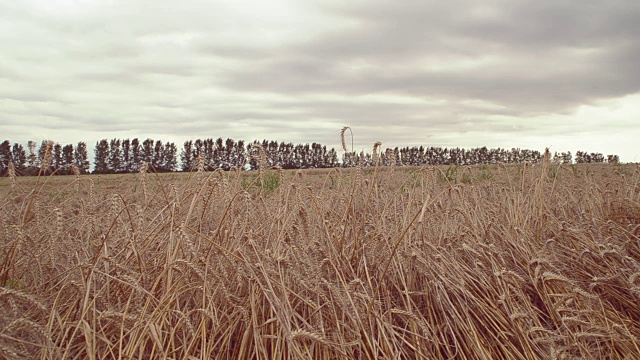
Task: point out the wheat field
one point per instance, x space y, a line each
483 262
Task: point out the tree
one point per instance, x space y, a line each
135 155
582 157
32 154
158 156
67 155
218 153
332 158
101 157
186 156
349 159
252 153
229 156
115 156
613 159
125 161
5 155
57 156
241 155
81 157
596 158
19 156
146 152
208 154
170 157
42 150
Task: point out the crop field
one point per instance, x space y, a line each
484 262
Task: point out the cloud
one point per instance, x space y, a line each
452 73
534 56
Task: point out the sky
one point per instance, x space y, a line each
561 74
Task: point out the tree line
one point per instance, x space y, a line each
116 156
33 159
124 156
421 156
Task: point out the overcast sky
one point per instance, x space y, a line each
531 74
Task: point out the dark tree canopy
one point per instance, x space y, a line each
126 156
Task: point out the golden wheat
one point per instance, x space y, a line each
362 263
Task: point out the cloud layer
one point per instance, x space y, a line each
457 73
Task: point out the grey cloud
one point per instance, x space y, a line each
106 52
415 72
165 69
27 95
561 23
540 67
231 51
109 76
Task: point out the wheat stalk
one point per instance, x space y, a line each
376 153
343 141
12 174
323 269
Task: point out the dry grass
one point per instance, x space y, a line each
533 263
